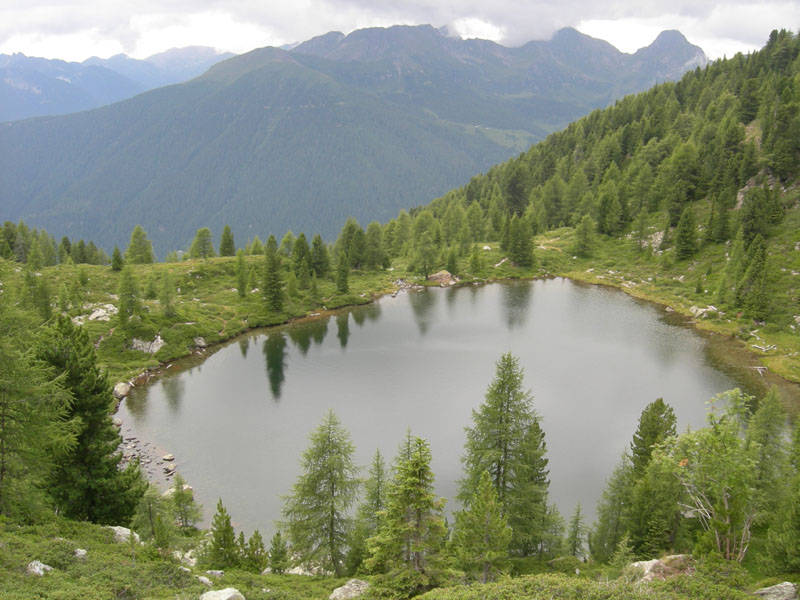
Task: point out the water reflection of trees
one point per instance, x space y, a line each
343 328
173 392
516 299
275 356
371 312
422 303
244 345
302 334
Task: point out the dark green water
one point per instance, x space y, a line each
593 358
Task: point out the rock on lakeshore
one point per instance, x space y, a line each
352 589
121 390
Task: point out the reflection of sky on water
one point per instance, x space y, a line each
593 358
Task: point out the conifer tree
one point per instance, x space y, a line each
482 534
413 532
202 244
186 510
254 556
278 554
166 295
506 441
128 293
34 425
87 483
320 260
241 274
584 237
576 533
686 235
369 516
153 518
315 513
301 256
140 250
227 247
656 424
221 551
343 274
272 280
613 512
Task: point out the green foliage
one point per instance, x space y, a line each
241 274
410 540
686 235
315 513
87 483
186 510
576 533
202 244
482 535
128 292
153 519
656 424
343 274
272 278
227 247
140 250
221 551
584 237
278 554
507 442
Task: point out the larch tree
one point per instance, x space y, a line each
140 250
369 516
241 274
316 512
576 533
482 534
87 483
129 302
507 442
202 244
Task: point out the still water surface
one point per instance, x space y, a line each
593 358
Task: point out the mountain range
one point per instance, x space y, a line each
361 125
33 87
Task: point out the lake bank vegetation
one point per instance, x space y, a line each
685 195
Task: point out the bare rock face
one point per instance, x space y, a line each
662 568
122 535
38 568
226 594
782 591
148 347
352 589
444 278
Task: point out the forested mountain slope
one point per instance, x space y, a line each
272 140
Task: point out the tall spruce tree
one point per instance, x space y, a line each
315 513
656 424
241 274
227 247
128 293
87 483
34 428
412 535
221 552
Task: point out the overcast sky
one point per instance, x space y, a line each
78 29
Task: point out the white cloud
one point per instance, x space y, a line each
78 28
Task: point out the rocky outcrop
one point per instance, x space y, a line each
122 535
352 589
79 553
121 390
782 591
443 278
37 567
148 347
226 594
662 568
